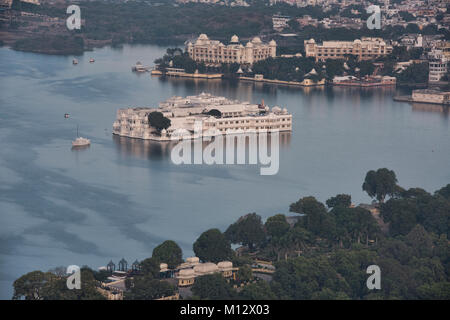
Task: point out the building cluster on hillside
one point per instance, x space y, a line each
436 52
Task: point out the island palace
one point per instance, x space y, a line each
187 113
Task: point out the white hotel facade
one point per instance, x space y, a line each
364 49
187 113
214 52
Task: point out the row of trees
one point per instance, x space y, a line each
323 255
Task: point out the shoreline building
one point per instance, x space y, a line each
437 66
186 113
431 96
438 61
364 49
193 268
214 52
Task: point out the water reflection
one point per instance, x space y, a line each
155 150
426 107
80 148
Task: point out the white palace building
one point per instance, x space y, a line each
187 113
214 52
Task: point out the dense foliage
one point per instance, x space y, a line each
168 252
212 246
323 255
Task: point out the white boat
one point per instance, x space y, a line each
81 142
91 60
139 67
75 61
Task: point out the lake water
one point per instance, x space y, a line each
121 197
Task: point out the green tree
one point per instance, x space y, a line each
316 219
445 192
168 252
213 246
344 200
435 291
260 290
30 285
401 215
213 287
148 288
277 226
380 183
215 113
56 289
248 231
150 267
244 273
157 120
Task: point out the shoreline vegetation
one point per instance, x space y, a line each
320 251
305 72
117 23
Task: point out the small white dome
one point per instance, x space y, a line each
249 45
256 40
272 43
203 37
225 265
193 260
163 266
205 268
186 273
234 39
276 109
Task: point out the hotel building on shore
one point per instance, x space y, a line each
187 113
214 52
364 49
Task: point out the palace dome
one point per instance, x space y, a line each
256 40
163 266
249 45
234 39
203 37
272 43
186 273
223 265
192 260
205 268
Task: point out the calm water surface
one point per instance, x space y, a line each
120 197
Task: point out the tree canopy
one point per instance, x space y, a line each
157 120
248 231
378 184
168 252
213 246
